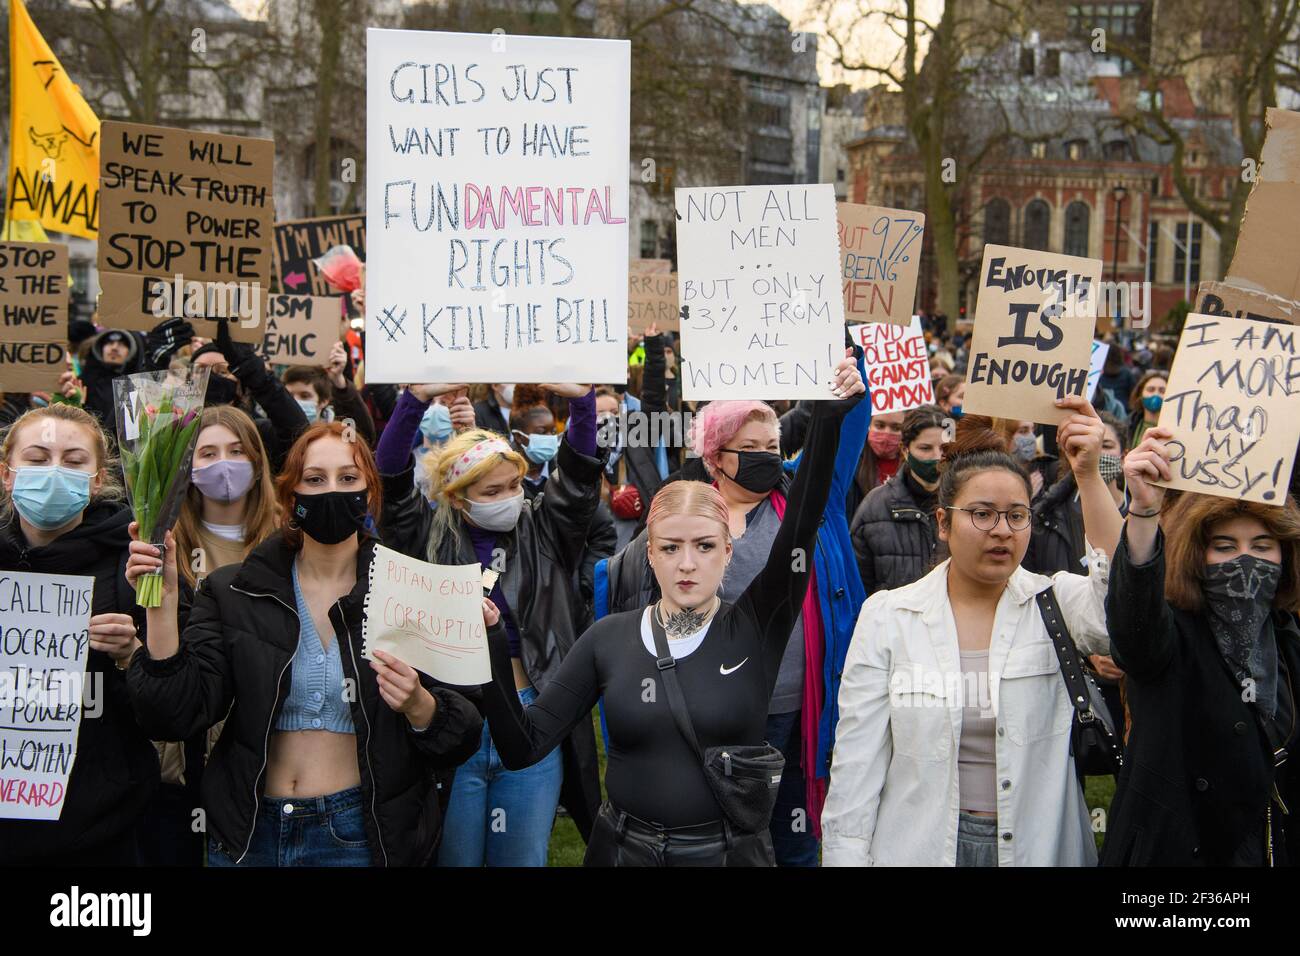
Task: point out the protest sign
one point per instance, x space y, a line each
429 616
762 315
1099 352
1264 259
661 267
880 252
300 329
1033 332
185 229
32 366
651 297
1220 298
33 291
46 634
1231 407
299 241
898 367
497 198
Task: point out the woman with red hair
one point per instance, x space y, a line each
322 761
662 810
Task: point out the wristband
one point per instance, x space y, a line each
1144 514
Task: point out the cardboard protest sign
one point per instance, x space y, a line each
301 329
762 315
1033 333
497 198
32 366
42 689
429 616
185 229
880 252
299 241
651 297
898 366
1230 404
1099 352
1219 298
1264 260
33 291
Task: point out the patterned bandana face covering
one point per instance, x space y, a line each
1110 467
1239 598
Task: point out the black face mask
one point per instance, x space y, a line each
331 516
221 391
758 471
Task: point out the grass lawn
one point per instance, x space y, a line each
567 847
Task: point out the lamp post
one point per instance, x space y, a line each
1119 192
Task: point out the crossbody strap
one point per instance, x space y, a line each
1066 653
667 665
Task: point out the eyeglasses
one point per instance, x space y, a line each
986 519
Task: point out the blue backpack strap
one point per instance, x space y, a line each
600 595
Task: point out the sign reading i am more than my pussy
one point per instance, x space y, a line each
762 315
1033 333
496 200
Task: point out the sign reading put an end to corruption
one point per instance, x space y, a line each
496 208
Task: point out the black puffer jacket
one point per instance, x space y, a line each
893 538
234 662
1056 543
543 555
116 770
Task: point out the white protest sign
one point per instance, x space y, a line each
496 199
1230 404
757 274
44 639
1034 321
898 368
429 616
1099 352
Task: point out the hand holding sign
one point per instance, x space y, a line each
1079 436
566 389
400 687
1144 465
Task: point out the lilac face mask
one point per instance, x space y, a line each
225 481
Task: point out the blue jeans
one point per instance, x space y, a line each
499 817
792 833
305 831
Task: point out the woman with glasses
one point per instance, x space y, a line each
953 745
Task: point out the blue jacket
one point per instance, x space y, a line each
839 584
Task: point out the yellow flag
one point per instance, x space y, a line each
53 140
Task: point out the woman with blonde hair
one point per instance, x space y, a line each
1201 610
534 549
662 809
61 513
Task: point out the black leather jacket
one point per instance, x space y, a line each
242 630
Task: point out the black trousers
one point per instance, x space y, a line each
620 839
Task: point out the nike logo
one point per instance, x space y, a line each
724 671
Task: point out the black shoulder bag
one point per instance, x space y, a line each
744 779
1096 747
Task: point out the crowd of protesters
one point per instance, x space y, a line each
858 597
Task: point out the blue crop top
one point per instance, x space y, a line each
315 700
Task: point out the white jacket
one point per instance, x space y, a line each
893 797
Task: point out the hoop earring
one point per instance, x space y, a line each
293 525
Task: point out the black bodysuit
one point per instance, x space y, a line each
727 681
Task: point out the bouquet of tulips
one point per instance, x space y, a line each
157 426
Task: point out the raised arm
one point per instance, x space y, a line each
1079 437
522 738
566 506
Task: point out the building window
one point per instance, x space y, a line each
1038 150
1153 249
839 175
1026 61
649 239
1076 149
1038 222
1127 22
771 149
997 222
1052 63
1187 255
1077 217
1117 150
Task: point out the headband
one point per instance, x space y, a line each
484 449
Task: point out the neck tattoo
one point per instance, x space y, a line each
687 621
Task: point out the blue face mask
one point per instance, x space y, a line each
541 448
435 426
309 408
49 496
1152 403
956 411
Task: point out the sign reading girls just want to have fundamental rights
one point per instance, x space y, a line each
496 198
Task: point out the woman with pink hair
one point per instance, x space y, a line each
726 651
